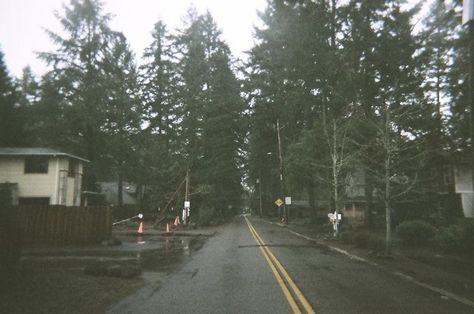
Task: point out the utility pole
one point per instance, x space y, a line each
471 86
259 181
468 17
282 183
186 199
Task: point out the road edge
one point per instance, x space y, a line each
397 274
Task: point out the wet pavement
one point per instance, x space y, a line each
235 273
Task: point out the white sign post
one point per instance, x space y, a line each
335 222
187 205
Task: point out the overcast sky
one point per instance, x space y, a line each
22 24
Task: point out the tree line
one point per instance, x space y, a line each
179 111
360 89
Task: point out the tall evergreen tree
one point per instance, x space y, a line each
210 110
11 122
49 117
122 112
161 166
437 55
458 84
78 62
29 88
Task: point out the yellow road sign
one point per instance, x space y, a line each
279 202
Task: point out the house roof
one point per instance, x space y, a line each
35 151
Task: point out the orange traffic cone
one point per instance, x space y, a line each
140 228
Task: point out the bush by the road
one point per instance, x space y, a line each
457 238
364 239
415 232
207 216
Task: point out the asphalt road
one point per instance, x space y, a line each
251 266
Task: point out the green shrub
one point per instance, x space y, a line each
207 216
415 232
363 239
458 238
368 240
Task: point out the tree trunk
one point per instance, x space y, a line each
120 189
311 197
471 91
388 232
335 177
388 162
368 219
90 144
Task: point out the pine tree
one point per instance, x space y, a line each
458 84
158 80
161 165
437 55
295 75
122 113
78 62
49 117
210 108
11 122
397 111
28 87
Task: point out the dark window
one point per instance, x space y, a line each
37 201
72 168
447 175
36 164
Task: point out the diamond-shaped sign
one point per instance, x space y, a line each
279 202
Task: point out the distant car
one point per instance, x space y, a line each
244 211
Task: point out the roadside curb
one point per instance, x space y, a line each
398 274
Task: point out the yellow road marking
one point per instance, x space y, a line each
274 265
280 280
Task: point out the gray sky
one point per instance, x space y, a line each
22 23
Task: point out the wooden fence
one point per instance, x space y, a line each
64 225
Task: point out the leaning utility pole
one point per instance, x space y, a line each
186 200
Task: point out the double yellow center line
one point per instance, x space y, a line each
295 298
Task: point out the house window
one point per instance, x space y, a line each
36 164
447 175
72 168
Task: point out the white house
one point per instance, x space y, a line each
463 186
110 192
455 176
41 176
